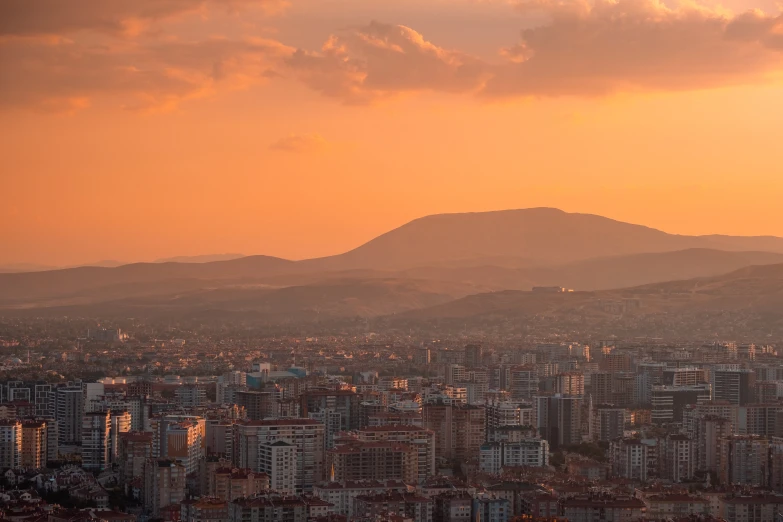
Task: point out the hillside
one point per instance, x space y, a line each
756 288
327 300
539 236
507 250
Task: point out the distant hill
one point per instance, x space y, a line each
71 282
539 235
478 252
340 298
757 289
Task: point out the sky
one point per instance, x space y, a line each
139 129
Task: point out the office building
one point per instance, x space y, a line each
668 402
734 386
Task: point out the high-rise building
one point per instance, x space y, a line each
735 386
607 423
686 376
92 391
668 402
69 412
744 460
508 413
344 402
45 401
423 440
601 387
459 430
191 395
380 460
96 440
278 460
422 357
34 444
179 437
558 419
135 448
628 458
140 388
120 423
570 383
164 485
678 461
616 362
495 456
473 355
524 382
227 393
10 444
306 434
257 405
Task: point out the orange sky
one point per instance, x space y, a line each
149 129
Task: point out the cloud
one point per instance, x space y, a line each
364 64
300 143
583 48
37 17
64 76
605 46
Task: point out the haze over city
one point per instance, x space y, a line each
391 261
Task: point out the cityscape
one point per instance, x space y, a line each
391 261
192 426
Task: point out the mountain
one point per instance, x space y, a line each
539 235
73 282
490 251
